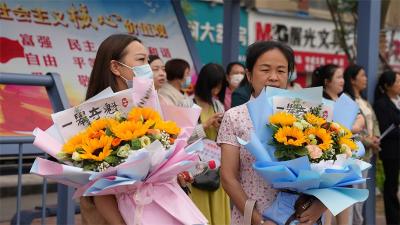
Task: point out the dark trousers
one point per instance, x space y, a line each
391 186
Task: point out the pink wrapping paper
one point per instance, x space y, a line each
158 199
169 205
46 142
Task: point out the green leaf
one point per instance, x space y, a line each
136 145
80 150
63 156
273 127
112 160
89 166
279 153
109 132
301 151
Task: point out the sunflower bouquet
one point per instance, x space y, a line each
303 147
108 142
309 135
124 145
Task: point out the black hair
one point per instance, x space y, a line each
244 82
112 48
386 79
255 50
350 74
153 58
175 69
230 66
321 74
225 83
210 76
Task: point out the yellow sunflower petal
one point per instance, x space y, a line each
97 149
290 136
347 133
99 125
168 126
282 118
143 114
324 139
74 142
314 120
129 130
349 142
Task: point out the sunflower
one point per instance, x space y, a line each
168 126
349 142
282 118
290 136
321 136
97 149
314 120
143 114
345 133
96 128
129 130
76 141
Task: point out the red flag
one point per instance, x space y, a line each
10 49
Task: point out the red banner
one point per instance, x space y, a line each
308 61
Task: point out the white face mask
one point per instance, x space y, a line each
236 79
143 71
129 83
188 81
293 77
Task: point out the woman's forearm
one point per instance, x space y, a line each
108 207
236 193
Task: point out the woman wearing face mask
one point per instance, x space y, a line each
330 77
355 82
387 108
242 94
158 68
268 63
178 76
119 58
234 75
213 204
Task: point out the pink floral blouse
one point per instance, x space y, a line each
237 123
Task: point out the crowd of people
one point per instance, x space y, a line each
221 94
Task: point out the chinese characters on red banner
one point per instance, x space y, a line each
79 17
308 61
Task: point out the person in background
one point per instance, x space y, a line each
387 109
330 77
268 63
356 82
158 68
235 73
241 94
292 85
117 61
213 204
178 76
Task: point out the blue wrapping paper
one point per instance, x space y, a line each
297 174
